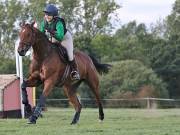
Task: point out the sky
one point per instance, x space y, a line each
144 11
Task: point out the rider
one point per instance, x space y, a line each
55 29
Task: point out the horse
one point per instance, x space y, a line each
48 69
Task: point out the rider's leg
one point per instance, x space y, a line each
68 44
74 73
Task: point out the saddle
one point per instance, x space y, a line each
62 52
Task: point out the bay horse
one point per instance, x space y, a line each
48 69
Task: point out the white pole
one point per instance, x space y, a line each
17 60
21 81
19 72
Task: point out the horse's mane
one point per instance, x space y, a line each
41 35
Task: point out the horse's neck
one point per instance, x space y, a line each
41 48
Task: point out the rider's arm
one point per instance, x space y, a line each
59 35
42 27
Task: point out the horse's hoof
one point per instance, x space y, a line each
76 118
74 122
100 121
32 120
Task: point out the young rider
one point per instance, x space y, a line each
55 29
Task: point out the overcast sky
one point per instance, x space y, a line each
144 11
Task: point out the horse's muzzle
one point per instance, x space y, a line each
22 52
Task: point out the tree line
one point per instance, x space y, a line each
145 60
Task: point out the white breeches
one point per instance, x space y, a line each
67 42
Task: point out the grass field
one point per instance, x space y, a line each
117 122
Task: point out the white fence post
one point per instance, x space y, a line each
19 73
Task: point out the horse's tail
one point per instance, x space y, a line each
101 68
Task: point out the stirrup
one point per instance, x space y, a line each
75 75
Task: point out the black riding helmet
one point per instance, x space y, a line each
51 10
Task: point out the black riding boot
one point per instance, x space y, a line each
74 71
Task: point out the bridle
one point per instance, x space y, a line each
28 44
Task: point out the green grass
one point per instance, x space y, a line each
117 122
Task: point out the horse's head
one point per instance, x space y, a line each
27 38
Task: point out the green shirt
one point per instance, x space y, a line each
59 33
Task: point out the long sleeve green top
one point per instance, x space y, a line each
59 32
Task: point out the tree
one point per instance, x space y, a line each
134 41
103 47
94 18
10 12
173 22
131 76
7 66
166 59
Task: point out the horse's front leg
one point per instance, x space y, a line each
30 82
48 85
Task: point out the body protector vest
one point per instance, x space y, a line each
52 29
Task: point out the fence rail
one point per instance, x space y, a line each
120 103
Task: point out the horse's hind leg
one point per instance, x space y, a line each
93 82
71 94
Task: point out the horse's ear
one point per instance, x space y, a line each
32 24
22 24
